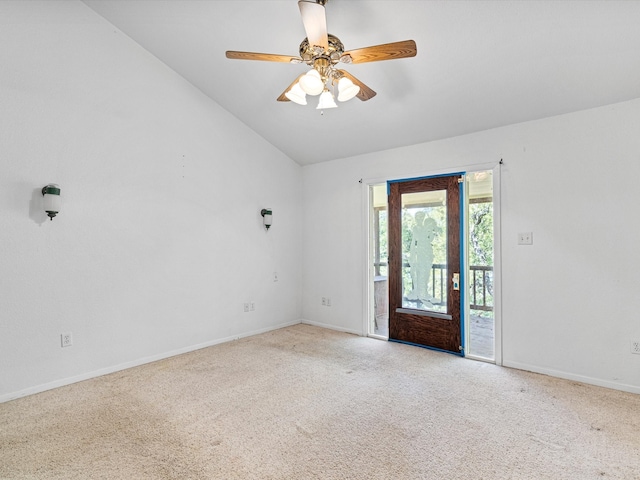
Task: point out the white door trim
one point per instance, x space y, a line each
367 292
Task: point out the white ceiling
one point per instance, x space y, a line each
480 64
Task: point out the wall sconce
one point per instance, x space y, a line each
266 217
51 194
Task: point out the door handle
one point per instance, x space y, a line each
456 281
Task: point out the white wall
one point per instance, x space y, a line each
160 240
570 302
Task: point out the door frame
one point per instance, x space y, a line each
367 272
428 324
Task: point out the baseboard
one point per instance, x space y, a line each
570 376
135 363
331 327
142 361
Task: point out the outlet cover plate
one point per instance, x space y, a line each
635 347
66 339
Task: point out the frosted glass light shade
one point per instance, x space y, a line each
297 95
267 217
311 83
346 89
326 101
52 203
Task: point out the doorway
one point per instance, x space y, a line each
424 302
425 262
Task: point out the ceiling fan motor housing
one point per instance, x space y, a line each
309 53
323 60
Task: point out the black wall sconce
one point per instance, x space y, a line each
266 217
51 194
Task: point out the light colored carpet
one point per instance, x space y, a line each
309 403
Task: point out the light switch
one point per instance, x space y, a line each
525 238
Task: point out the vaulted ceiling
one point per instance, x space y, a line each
480 64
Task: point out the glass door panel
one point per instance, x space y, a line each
424 250
481 331
379 293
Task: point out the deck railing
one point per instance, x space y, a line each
480 283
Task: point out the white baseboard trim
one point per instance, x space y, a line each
331 327
135 363
154 358
571 376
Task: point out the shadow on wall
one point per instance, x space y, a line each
36 207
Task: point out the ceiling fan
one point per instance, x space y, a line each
323 51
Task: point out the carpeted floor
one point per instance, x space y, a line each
309 403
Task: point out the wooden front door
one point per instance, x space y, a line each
425 276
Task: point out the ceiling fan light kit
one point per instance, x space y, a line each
346 89
322 52
311 83
326 100
297 95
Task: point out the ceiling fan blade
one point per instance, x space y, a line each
282 97
388 51
365 92
315 23
266 57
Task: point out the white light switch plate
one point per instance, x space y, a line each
525 238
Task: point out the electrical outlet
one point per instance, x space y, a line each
635 347
252 306
246 306
66 339
324 301
328 301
